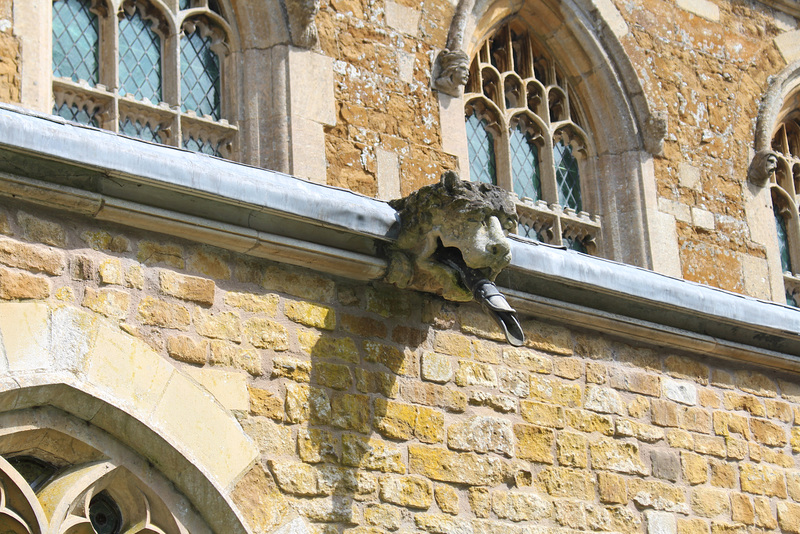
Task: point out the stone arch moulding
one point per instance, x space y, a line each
72 360
585 37
774 105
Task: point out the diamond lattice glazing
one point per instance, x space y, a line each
480 145
524 164
199 76
75 41
783 240
134 128
76 113
202 146
567 177
139 58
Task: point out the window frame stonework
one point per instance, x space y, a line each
173 125
503 94
785 195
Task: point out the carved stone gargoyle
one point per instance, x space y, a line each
452 241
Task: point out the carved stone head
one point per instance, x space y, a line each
450 72
465 222
764 164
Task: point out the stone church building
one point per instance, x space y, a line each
225 308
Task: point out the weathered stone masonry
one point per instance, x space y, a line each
380 410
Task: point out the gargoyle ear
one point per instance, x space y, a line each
450 180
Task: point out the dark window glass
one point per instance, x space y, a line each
200 77
567 177
139 58
524 164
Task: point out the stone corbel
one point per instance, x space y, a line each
452 241
302 26
450 70
763 166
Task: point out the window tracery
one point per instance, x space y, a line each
153 71
785 186
524 134
51 481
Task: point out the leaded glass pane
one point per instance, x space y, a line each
75 41
76 113
199 76
567 177
203 146
524 164
139 58
790 299
480 144
134 128
185 4
574 244
528 231
783 240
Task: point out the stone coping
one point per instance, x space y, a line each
273 215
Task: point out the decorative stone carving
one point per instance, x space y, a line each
302 28
764 164
655 130
450 72
452 241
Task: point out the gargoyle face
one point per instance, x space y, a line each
476 240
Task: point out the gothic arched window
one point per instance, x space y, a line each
524 134
785 187
127 72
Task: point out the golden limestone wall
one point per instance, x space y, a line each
377 410
9 55
707 64
388 116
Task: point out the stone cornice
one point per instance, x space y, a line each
279 217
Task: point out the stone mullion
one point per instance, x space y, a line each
109 67
171 83
503 156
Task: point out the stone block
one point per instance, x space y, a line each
251 302
710 445
660 522
789 517
658 495
449 398
455 467
156 312
709 502
680 391
362 326
111 271
266 403
762 479
471 373
291 368
534 443
548 338
221 325
621 457
480 501
513 382
768 433
309 314
19 285
34 258
528 359
539 413
407 491
565 482
568 368
403 19
296 478
436 368
113 303
332 375
316 445
185 287
703 8
151 253
787 43
612 488
482 434
498 403
755 383
42 231
263 333
230 354
629 428
555 391
586 421
516 506
372 454
186 349
635 381
399 361
748 403
229 388
304 403
665 464
467 348
723 474
571 449
694 419
322 345
446 499
742 509
303 284
350 412
604 400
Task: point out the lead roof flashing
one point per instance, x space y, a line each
335 230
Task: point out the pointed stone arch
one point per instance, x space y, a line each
73 361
